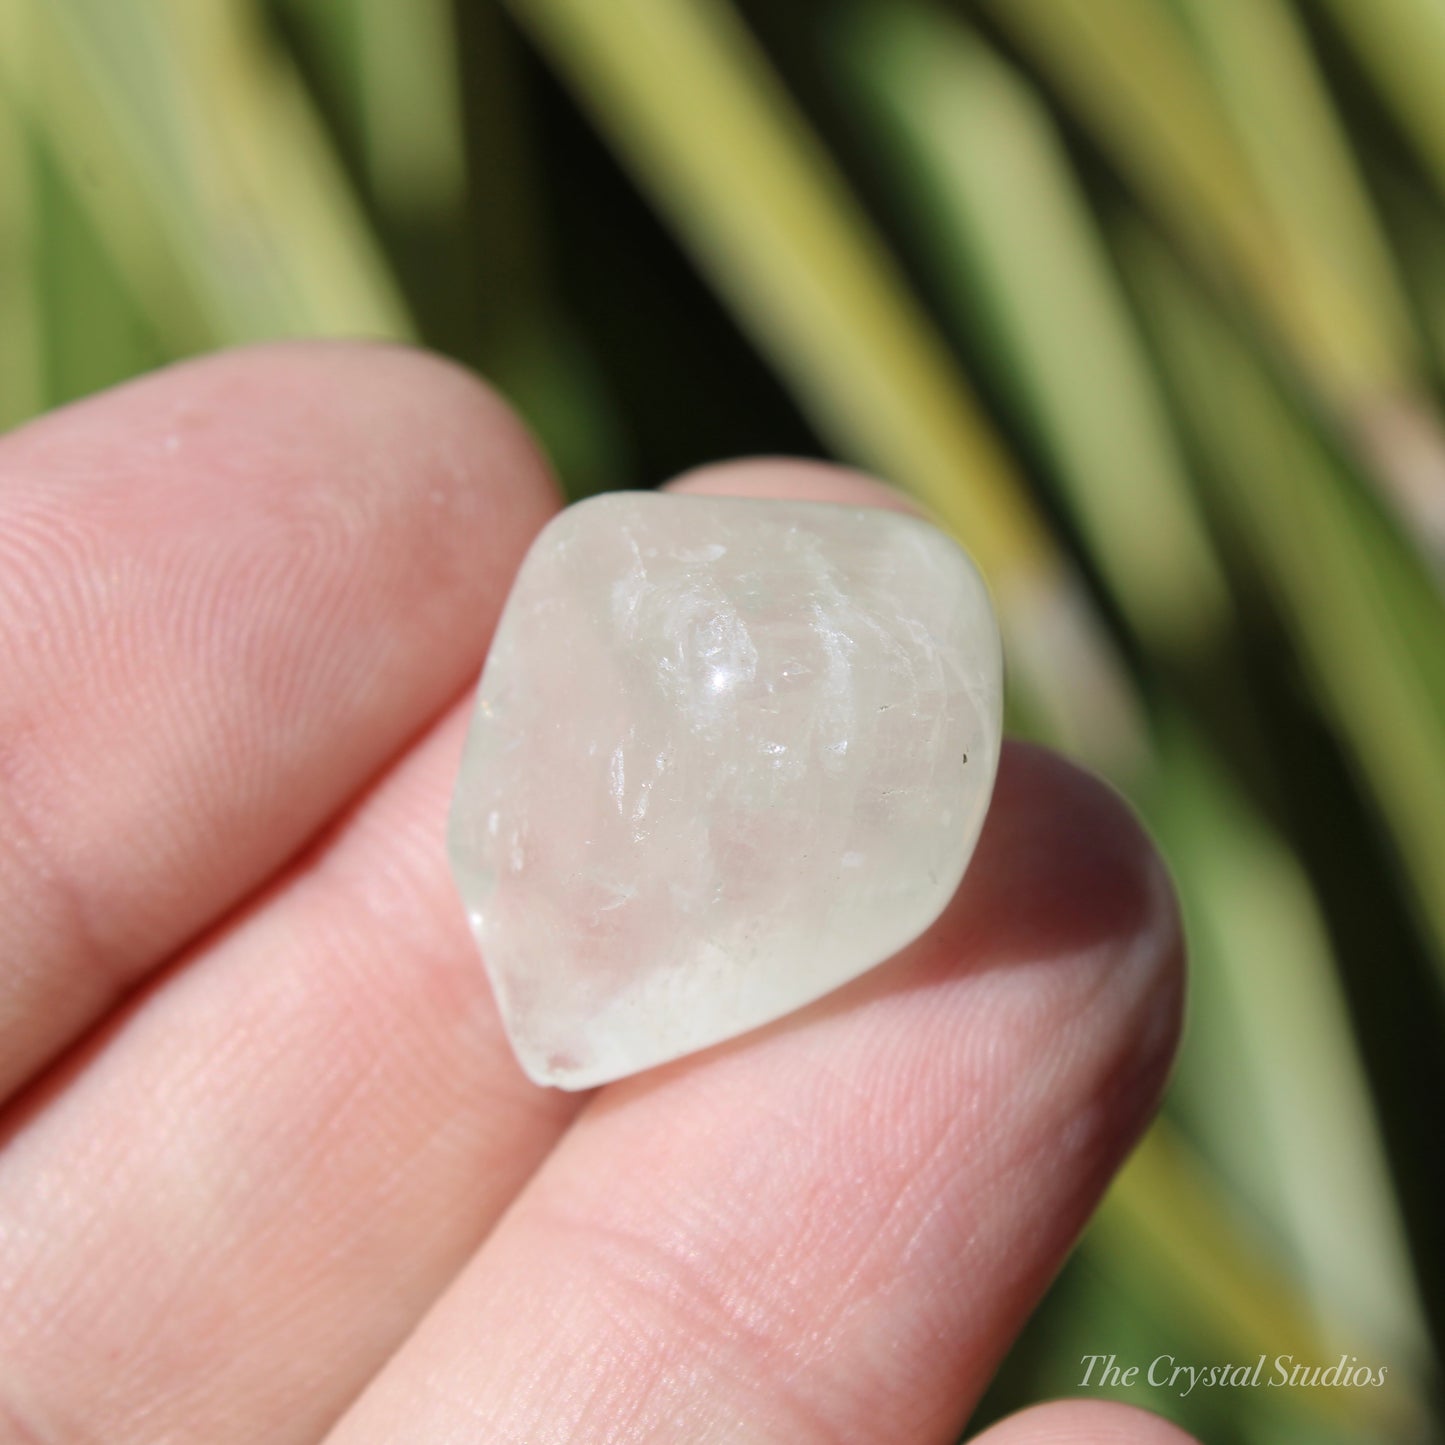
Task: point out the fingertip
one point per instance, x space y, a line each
796 479
1084 1422
1068 891
406 463
270 568
1062 835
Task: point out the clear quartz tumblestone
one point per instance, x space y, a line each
726 755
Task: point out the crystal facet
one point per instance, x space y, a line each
726 756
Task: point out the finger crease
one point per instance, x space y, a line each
35 865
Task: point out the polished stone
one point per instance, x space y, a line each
727 755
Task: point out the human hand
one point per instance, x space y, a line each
268 1170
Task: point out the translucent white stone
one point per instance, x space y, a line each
726 756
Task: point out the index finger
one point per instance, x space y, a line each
228 594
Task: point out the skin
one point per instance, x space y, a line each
268 1170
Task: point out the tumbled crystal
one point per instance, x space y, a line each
727 754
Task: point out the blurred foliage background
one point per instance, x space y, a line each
1144 298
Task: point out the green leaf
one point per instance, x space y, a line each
1270 1080
1010 238
691 103
1365 618
22 335
233 168
1241 159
